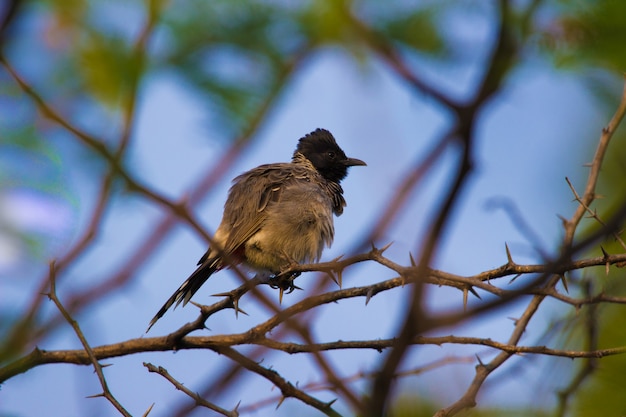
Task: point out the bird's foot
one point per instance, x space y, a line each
284 281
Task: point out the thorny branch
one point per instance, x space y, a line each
198 400
106 393
589 364
180 339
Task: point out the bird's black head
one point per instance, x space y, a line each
331 162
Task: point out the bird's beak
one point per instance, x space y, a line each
350 162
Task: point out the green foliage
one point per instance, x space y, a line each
109 68
233 54
413 407
589 33
417 29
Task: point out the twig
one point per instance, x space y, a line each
106 393
590 364
594 172
198 400
163 344
286 388
593 213
359 376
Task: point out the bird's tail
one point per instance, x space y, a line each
184 293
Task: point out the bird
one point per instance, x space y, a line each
276 214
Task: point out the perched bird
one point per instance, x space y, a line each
276 214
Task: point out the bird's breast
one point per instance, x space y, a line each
296 228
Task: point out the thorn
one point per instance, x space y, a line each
607 265
148 410
509 258
96 395
465 292
473 291
280 301
280 402
564 283
384 248
413 264
236 409
373 247
479 360
337 259
332 277
330 403
605 254
370 294
237 309
514 278
221 294
340 278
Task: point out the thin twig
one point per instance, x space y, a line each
287 389
106 393
594 172
590 364
593 213
198 400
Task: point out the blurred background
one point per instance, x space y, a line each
113 113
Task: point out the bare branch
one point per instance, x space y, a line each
199 400
106 393
286 388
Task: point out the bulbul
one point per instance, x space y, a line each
276 214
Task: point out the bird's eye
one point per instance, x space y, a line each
331 154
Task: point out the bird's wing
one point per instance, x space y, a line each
250 195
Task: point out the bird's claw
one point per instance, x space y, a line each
284 283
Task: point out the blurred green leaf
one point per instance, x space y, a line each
589 33
327 22
416 29
232 54
109 67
